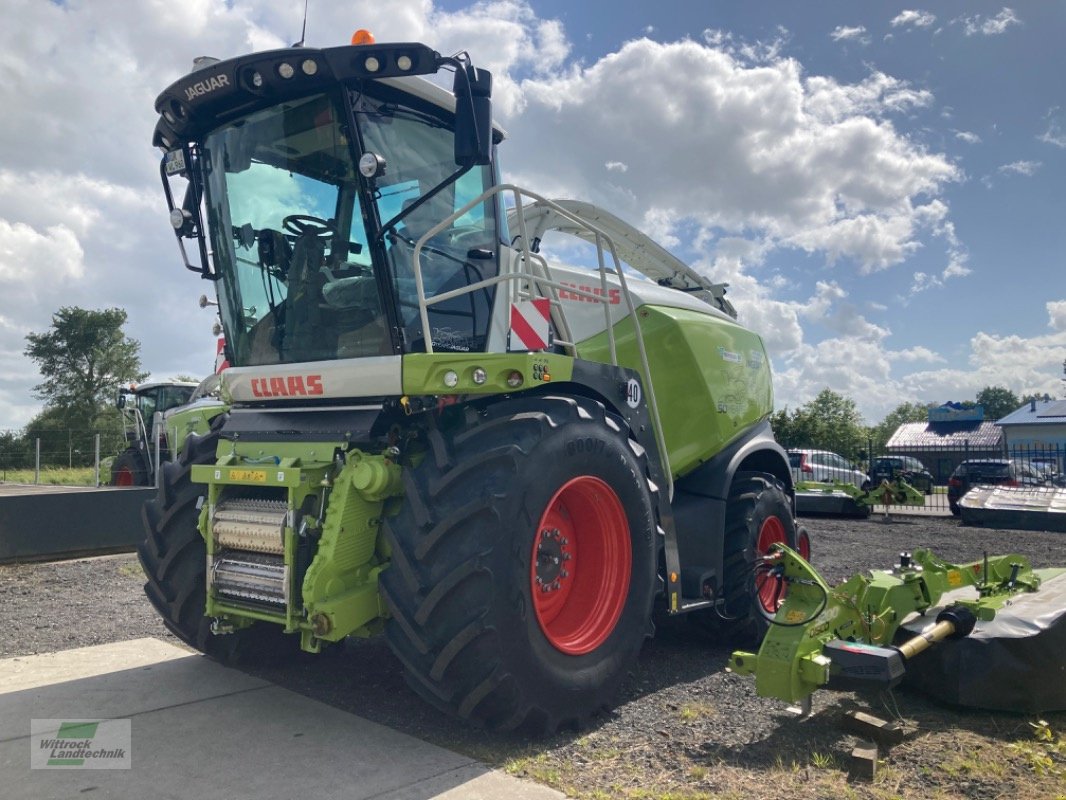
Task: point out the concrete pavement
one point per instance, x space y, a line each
202 730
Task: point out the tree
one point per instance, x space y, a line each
82 358
781 422
830 421
998 401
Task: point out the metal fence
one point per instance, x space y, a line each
933 469
59 455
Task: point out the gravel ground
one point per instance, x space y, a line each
683 728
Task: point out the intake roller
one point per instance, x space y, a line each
250 577
252 525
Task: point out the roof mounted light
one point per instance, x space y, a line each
362 36
371 165
286 70
371 64
309 66
404 63
178 218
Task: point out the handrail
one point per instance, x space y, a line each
525 266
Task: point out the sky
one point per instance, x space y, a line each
881 184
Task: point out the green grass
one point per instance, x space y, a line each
56 476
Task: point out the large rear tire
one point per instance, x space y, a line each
130 469
523 564
174 554
758 515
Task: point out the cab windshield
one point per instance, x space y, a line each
417 147
295 232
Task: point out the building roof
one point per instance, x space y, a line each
947 435
1043 411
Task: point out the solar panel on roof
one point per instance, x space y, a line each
1052 410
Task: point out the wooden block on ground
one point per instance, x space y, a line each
870 727
862 765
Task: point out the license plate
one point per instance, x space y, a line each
251 475
175 162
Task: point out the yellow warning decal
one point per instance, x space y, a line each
954 577
252 475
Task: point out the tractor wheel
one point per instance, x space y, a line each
523 564
758 515
130 469
173 556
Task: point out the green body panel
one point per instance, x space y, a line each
342 507
423 373
868 609
193 419
341 584
711 377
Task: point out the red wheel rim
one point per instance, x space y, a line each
771 594
580 565
124 477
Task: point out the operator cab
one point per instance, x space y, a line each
316 189
140 403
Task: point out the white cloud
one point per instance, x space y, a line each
1026 168
843 33
25 252
878 94
968 137
758 51
913 18
760 149
989 26
1054 134
616 166
1056 310
918 353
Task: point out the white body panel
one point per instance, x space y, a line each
633 247
375 376
585 316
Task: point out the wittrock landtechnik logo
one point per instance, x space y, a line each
80 744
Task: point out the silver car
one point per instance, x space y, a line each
822 466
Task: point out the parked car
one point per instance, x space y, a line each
822 465
913 471
990 472
1048 469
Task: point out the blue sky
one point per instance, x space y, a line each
880 183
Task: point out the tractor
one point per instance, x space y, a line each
138 404
505 465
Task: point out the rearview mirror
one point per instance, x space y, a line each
473 116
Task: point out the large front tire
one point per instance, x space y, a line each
523 564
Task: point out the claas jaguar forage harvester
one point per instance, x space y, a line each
502 463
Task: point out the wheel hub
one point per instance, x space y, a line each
552 555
